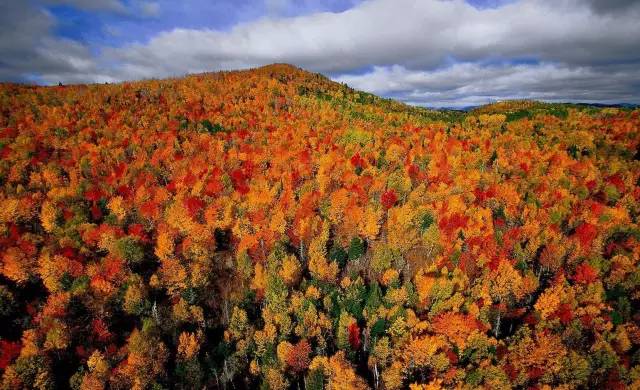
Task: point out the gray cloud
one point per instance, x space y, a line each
93 5
149 8
472 84
608 6
28 51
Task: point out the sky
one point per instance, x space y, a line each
436 53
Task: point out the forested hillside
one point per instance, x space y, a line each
273 229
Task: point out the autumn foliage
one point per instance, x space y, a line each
272 229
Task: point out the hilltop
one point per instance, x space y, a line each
271 228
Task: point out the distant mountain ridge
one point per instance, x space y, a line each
478 107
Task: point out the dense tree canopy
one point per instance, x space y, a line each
272 229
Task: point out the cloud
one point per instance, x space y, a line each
149 9
609 6
92 5
417 34
32 53
277 6
472 84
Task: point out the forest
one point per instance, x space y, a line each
272 229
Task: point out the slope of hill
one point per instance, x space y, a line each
272 228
